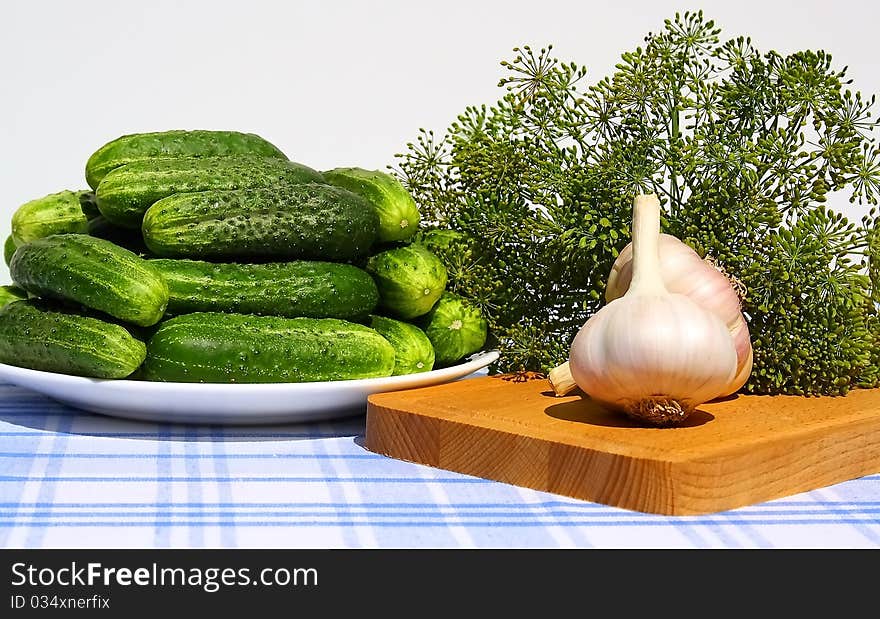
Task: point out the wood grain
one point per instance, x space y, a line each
731 453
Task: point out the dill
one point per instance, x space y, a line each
743 147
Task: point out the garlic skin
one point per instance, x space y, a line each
654 354
744 355
653 349
683 272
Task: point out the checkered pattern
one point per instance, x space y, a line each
69 478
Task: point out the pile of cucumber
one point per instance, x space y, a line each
208 256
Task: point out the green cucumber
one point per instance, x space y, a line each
132 240
456 328
398 213
410 280
8 294
40 336
58 213
413 351
8 249
88 202
302 288
234 348
93 272
288 221
162 144
126 193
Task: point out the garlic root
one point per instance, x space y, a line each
659 411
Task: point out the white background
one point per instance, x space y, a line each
330 83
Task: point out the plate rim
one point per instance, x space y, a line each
478 361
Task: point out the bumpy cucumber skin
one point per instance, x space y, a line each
455 327
8 249
57 213
413 351
398 214
410 280
164 144
125 194
291 289
291 221
132 240
234 348
8 294
39 336
94 272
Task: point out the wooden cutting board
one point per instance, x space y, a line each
731 453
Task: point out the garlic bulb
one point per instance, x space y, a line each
683 272
654 354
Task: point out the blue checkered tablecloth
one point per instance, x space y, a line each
73 479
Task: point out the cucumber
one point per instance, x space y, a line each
234 348
40 336
413 351
455 327
142 146
410 280
8 294
288 221
132 240
126 193
398 213
8 249
312 289
93 272
57 213
88 202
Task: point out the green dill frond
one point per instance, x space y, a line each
744 148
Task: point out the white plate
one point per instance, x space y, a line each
216 403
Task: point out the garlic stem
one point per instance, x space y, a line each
561 380
646 273
647 277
